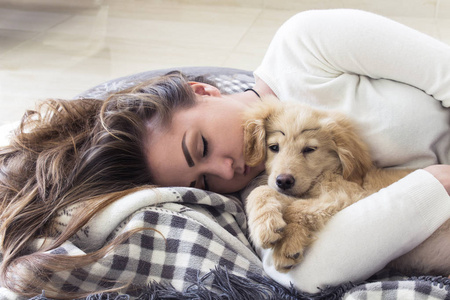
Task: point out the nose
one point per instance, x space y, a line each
224 168
285 181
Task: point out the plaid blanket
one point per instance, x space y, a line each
197 248
195 243
190 232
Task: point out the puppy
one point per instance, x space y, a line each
316 165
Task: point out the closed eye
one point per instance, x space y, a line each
205 153
205 146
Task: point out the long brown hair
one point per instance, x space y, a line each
88 152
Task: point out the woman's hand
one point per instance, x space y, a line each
442 173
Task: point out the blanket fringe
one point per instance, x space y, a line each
225 286
233 287
442 282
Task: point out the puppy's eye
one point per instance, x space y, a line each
307 150
274 148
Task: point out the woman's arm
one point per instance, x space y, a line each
329 43
361 239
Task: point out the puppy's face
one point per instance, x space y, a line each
299 150
300 143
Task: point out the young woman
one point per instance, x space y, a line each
85 155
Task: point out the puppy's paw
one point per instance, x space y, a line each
312 221
267 229
295 213
264 208
307 215
288 252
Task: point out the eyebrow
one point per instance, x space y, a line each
277 131
186 153
311 129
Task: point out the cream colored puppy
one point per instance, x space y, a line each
316 165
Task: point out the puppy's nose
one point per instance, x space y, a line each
285 181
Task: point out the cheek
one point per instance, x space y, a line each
329 160
229 133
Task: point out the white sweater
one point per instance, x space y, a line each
395 84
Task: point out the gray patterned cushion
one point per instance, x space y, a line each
228 80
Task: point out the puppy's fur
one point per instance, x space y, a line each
316 165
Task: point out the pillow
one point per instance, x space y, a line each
228 80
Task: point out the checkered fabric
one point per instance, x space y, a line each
188 233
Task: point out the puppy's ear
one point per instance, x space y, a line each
254 142
255 131
352 151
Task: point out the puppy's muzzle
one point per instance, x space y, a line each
285 181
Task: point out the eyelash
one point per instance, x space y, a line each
205 153
205 147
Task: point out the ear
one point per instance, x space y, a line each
204 89
352 151
254 142
256 119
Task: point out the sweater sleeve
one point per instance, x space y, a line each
345 41
361 239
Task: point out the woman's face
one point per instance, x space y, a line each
203 146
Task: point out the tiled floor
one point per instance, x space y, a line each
49 48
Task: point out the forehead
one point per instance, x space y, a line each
294 121
162 147
167 163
